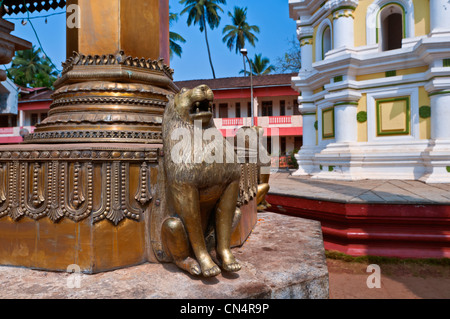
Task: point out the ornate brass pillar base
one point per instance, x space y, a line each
111 98
75 204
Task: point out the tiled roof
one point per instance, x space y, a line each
240 82
34 94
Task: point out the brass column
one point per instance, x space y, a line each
115 82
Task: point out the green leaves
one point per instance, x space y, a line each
174 37
239 31
260 66
30 69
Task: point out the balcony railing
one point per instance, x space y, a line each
263 121
274 120
14 131
233 121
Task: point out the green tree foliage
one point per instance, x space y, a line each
175 38
204 13
30 69
260 66
239 32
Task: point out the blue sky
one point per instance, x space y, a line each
272 17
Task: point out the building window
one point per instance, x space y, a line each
282 108
392 29
323 39
326 41
296 110
249 109
34 119
267 108
223 110
283 145
238 109
298 142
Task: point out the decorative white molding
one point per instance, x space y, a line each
387 93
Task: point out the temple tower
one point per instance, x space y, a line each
374 88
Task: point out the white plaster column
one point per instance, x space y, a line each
21 118
439 16
305 156
305 36
440 115
343 28
306 52
437 157
309 132
346 123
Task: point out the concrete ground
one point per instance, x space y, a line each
348 280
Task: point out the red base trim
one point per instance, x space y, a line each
405 231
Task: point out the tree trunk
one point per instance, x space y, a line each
207 45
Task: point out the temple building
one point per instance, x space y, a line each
375 89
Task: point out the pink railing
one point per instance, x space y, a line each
280 120
233 122
6 130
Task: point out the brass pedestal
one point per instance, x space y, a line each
84 204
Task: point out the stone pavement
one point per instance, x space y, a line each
283 258
360 192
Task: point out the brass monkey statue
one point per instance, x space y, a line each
200 194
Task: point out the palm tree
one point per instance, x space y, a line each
30 69
239 31
203 13
260 66
174 37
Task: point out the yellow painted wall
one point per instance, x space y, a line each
360 22
393 116
362 127
380 75
424 124
422 17
328 123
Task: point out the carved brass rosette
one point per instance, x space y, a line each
77 183
107 99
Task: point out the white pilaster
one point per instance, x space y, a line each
440 115
305 36
346 124
440 16
437 158
343 28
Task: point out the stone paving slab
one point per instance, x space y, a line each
284 258
365 191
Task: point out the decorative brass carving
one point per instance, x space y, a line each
60 184
116 59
